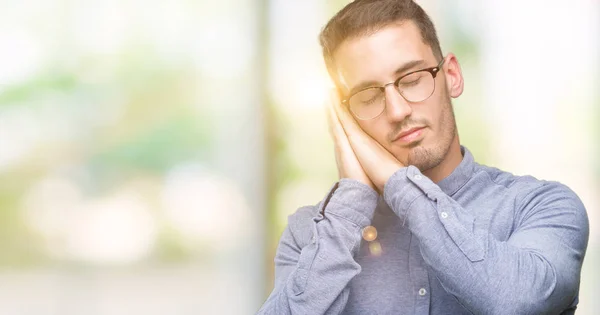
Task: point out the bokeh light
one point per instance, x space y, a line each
369 233
375 248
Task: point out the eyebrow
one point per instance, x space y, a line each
402 69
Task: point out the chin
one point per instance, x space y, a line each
424 157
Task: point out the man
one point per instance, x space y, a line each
415 226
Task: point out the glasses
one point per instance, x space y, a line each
414 87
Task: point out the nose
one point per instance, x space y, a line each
396 107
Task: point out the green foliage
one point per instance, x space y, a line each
38 86
155 148
170 247
19 247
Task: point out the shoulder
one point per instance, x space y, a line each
532 195
525 185
507 180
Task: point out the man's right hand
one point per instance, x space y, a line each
347 163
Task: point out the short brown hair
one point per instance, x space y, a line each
365 17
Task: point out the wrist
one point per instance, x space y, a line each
353 200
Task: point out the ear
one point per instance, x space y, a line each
454 78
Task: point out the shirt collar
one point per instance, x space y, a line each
461 174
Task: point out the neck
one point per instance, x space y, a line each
448 164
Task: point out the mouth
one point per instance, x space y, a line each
410 135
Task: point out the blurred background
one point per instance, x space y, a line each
151 151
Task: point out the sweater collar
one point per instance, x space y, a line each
461 174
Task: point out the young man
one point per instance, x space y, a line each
415 225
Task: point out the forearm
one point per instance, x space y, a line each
315 259
535 271
487 276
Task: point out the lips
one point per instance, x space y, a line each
410 134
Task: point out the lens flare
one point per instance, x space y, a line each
375 248
369 233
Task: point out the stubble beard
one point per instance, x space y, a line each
426 158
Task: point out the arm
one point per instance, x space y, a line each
315 258
536 271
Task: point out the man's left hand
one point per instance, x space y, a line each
378 163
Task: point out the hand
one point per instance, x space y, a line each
378 163
347 163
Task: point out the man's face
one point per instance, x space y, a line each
382 58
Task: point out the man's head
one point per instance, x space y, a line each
372 44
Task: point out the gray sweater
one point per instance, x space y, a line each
481 241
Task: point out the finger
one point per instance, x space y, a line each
350 126
358 139
342 148
336 126
329 118
332 119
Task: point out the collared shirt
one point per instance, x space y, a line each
481 241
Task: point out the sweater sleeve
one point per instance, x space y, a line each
314 261
536 271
